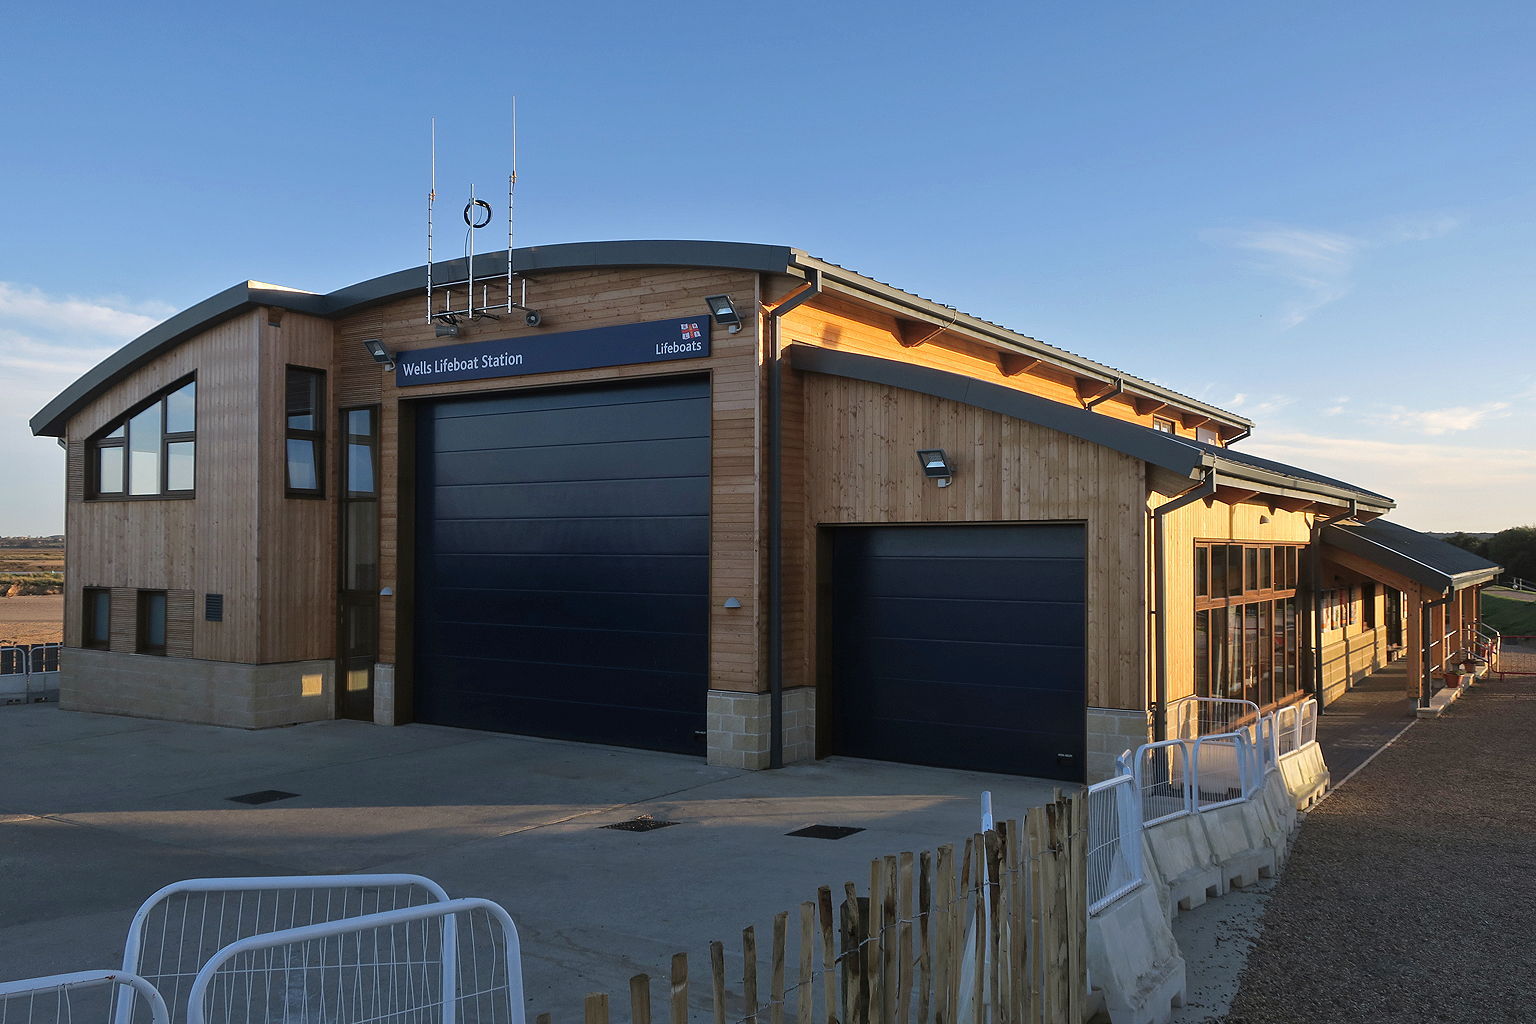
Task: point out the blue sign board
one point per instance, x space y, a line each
655 342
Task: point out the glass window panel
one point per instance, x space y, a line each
1202 654
360 468
154 625
1251 652
1234 652
1218 570
302 399
360 422
118 432
181 410
1266 653
1218 652
1201 555
1266 569
1292 676
179 465
1290 568
1251 574
101 616
301 464
144 452
109 470
362 546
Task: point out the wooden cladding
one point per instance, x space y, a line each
359 379
125 620
74 470
180 608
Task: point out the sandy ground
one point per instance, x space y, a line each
32 620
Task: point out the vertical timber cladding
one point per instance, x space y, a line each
960 646
562 562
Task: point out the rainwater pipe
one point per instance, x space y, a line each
803 293
1315 564
1204 489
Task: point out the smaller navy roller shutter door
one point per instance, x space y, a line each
562 563
960 646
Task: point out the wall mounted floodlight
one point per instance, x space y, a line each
380 353
724 311
936 465
448 330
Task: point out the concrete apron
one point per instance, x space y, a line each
1132 952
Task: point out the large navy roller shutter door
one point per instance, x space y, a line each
562 563
961 647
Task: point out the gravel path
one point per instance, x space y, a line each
1410 892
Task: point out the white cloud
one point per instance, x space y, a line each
1437 487
1439 421
1321 262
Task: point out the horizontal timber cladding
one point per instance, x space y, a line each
959 646
562 562
858 445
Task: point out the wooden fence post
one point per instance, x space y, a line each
717 978
640 999
679 988
596 1008
749 972
776 980
828 952
924 946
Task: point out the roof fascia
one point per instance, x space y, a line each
1406 565
884 296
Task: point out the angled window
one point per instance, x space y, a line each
151 626
97 627
150 452
305 436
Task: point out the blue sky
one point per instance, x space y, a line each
1318 215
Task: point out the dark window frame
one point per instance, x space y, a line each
88 619
1267 674
316 436
142 643
100 440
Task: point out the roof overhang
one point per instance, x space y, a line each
1400 559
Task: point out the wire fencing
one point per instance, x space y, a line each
29 673
1114 841
93 996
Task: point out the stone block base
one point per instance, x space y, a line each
203 692
1110 733
740 725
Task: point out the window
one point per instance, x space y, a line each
97 607
1205 435
1368 606
305 391
151 452
1245 621
151 631
1162 426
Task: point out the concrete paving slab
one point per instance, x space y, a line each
123 806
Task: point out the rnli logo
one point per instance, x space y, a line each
691 331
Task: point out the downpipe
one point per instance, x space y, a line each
805 292
1202 490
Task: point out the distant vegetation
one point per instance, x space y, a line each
31 565
54 541
1514 549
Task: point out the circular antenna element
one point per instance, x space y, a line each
472 215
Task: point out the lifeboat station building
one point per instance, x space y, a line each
721 499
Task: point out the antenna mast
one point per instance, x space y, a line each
431 195
510 183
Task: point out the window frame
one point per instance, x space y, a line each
316 436
88 617
141 642
101 440
1232 619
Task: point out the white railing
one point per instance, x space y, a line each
1306 727
399 965
1162 779
1193 717
25 675
94 996
1114 841
180 926
1222 768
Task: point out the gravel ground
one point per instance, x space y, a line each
1409 894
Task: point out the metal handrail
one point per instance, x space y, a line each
158 1012
1164 787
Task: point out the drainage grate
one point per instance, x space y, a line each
825 831
266 796
644 823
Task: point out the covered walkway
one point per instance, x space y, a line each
1364 719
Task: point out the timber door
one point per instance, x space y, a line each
959 646
562 563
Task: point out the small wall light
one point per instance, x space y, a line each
731 602
724 311
1263 520
380 354
936 465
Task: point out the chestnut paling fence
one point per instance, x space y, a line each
991 931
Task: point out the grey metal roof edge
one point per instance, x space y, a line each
51 420
748 256
939 314
1165 450
1130 438
1406 565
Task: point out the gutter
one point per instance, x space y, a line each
807 291
1316 565
1118 389
1205 489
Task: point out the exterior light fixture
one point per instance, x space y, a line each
724 311
380 353
448 330
732 602
936 465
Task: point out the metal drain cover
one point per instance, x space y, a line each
642 824
825 831
266 796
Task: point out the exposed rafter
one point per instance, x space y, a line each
1010 364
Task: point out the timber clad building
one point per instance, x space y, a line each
621 525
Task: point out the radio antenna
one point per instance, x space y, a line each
512 181
431 195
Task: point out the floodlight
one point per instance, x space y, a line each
936 465
724 311
380 353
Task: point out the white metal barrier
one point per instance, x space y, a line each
1222 766
396 966
1193 717
179 927
28 673
1114 841
94 996
1307 726
1162 778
